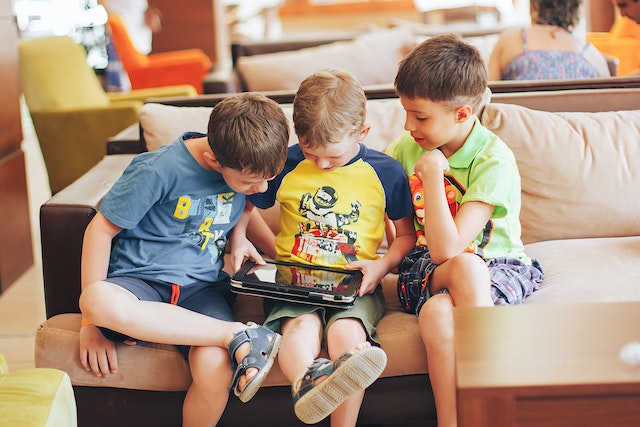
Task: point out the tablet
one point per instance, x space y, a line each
300 283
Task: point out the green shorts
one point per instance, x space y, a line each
368 309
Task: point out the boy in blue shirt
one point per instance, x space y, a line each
152 256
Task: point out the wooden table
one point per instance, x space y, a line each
547 365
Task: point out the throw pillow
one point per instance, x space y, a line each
162 124
576 169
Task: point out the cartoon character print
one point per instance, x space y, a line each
323 235
201 216
417 196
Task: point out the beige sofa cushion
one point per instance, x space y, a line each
564 156
604 269
372 58
162 124
140 365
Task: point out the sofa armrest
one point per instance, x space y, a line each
63 220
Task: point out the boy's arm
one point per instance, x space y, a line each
374 270
251 227
96 249
447 236
97 353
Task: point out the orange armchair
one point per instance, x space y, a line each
622 42
188 66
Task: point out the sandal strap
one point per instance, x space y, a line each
258 337
320 367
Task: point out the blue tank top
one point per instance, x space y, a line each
548 65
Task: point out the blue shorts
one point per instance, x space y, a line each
213 299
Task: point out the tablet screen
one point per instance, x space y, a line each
320 280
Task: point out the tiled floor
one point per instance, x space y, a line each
22 305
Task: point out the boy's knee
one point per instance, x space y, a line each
99 303
309 322
436 318
209 363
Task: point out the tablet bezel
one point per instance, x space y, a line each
291 292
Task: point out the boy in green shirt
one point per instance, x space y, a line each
473 254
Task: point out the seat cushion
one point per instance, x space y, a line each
587 270
159 367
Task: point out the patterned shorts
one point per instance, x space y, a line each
512 281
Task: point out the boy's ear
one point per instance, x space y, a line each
463 112
364 132
211 160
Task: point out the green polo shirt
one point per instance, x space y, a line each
483 169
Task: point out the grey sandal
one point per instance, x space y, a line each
350 373
264 348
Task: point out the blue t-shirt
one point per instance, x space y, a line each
334 217
175 216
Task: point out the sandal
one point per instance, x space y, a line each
350 373
264 347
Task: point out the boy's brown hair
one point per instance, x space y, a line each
328 106
250 133
443 69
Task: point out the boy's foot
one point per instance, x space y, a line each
264 348
352 372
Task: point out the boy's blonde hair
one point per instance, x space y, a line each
250 133
443 69
328 106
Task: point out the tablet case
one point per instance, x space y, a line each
299 283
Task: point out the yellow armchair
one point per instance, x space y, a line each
38 397
72 114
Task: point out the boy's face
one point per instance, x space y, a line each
432 125
244 183
334 154
630 9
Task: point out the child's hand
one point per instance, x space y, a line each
242 248
97 353
372 273
431 162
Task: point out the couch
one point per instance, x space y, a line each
371 56
578 155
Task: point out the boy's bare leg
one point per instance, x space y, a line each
301 340
159 322
436 329
467 279
206 399
115 308
346 335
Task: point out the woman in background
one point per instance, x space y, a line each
547 50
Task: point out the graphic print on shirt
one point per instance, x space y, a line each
202 215
322 237
451 189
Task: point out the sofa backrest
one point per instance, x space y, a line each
576 167
579 170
